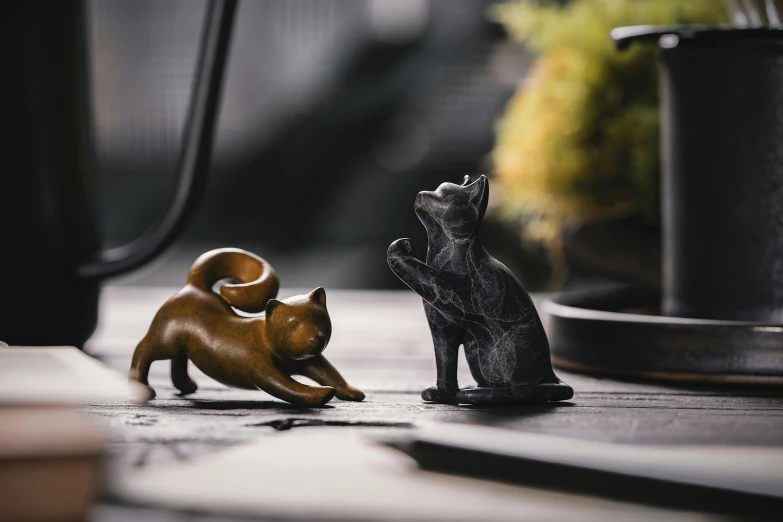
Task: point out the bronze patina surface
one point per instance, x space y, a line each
258 352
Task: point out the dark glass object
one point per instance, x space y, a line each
50 251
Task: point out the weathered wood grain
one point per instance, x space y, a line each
382 345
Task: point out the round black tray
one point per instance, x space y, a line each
619 332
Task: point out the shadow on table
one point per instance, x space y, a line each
501 414
226 405
515 410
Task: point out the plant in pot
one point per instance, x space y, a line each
577 154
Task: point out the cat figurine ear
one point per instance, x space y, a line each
271 306
318 296
479 193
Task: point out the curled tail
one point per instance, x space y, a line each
253 281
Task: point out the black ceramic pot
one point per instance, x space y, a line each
722 180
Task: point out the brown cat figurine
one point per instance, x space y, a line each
258 352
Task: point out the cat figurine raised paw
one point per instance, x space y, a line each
472 299
240 351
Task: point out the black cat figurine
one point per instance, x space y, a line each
472 299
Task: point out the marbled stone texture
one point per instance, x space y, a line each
472 299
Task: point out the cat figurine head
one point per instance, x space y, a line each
299 327
455 210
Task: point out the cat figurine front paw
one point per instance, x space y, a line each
472 299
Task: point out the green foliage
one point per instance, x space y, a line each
579 140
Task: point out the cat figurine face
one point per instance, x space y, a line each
299 327
455 210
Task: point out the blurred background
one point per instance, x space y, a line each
336 113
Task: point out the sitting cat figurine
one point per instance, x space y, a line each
472 299
260 352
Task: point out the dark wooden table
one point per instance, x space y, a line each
381 344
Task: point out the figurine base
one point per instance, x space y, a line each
520 394
432 394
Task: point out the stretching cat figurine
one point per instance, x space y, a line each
472 299
260 352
